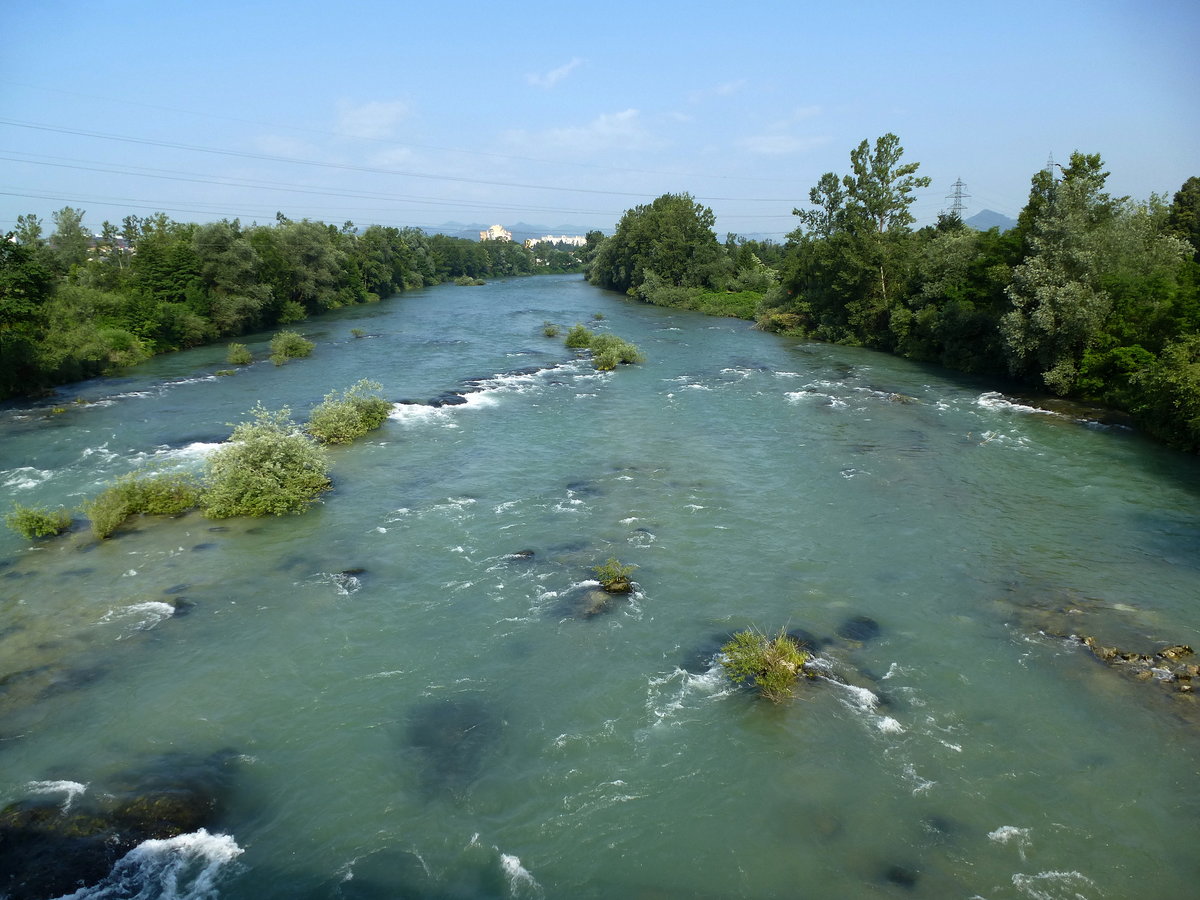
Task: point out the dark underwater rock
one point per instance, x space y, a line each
588 601
860 629
183 606
452 739
48 849
902 876
805 640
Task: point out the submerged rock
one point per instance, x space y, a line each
49 848
860 629
588 601
452 739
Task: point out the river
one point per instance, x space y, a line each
408 703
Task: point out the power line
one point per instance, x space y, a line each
241 154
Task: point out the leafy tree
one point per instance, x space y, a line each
1169 404
25 285
1184 218
70 240
671 237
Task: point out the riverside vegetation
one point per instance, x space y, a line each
1090 296
74 305
269 466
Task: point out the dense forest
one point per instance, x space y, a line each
1090 296
74 305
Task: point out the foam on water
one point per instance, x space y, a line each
414 414
667 694
25 477
72 789
521 882
1011 834
187 867
1053 885
142 616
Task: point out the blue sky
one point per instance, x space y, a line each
402 113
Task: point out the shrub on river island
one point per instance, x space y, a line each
269 467
608 350
774 664
289 345
550 330
37 521
141 492
614 577
238 355
339 420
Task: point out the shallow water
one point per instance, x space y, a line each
417 711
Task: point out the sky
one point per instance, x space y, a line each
567 114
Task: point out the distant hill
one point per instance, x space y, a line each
521 231
988 218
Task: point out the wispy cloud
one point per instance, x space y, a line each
780 144
609 130
725 89
375 119
554 76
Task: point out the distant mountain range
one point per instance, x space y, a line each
521 231
988 218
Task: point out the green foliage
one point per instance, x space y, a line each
599 317
268 467
579 338
608 350
468 281
287 345
550 330
141 492
1169 404
239 355
672 237
358 332
37 521
340 420
613 576
773 664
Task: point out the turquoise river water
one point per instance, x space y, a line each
414 706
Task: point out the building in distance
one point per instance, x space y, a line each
496 233
571 240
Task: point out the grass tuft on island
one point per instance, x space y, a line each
608 350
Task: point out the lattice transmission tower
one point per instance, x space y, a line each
960 194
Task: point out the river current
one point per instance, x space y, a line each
414 698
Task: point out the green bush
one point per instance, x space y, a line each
289 345
239 355
608 350
340 420
358 332
774 664
268 467
37 521
614 577
141 492
579 338
550 330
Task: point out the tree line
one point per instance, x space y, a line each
74 305
1090 296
